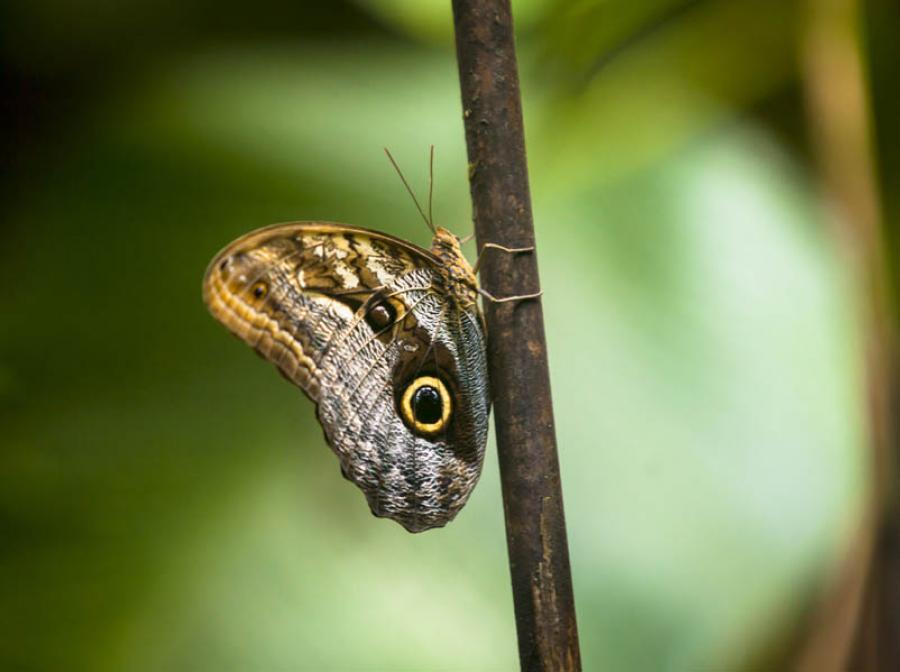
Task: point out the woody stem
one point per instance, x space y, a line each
517 350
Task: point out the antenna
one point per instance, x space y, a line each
427 219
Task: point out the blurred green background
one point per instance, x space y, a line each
168 503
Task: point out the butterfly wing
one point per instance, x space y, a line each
365 324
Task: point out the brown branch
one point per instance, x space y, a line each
861 604
517 351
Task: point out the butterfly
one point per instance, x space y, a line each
386 338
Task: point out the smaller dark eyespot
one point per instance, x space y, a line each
260 289
381 315
223 264
427 405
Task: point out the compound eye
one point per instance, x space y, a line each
426 405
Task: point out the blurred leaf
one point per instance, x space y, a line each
634 109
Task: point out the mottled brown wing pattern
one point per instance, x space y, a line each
386 338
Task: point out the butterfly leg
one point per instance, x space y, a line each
502 248
520 297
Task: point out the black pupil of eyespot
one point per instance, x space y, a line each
380 316
427 405
258 291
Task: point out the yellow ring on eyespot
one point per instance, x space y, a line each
407 409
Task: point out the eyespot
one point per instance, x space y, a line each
260 289
426 405
381 315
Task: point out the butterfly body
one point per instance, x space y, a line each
386 338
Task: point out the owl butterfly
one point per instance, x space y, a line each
386 338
